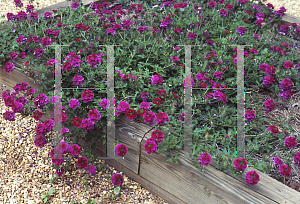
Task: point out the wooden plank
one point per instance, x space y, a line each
212 184
157 190
191 185
127 133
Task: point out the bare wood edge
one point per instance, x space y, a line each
267 186
129 173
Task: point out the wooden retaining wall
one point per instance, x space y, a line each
176 183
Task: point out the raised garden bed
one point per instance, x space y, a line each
176 183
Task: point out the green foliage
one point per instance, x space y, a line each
46 196
214 119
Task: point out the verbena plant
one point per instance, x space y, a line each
150 68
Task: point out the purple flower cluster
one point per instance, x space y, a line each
268 80
204 159
9 67
40 101
87 124
104 103
149 117
290 142
220 96
94 59
150 146
78 80
87 96
241 30
250 115
161 118
286 86
73 103
74 61
157 80
143 96
38 52
94 115
122 107
53 33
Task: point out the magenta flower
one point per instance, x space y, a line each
220 96
9 67
63 147
286 94
269 105
223 12
251 177
49 125
87 124
290 142
40 141
87 96
250 114
268 80
58 159
93 60
78 80
104 103
161 118
277 161
285 170
74 150
145 105
117 179
64 130
94 115
91 169
286 84
157 135
150 146
204 159
274 129
121 150
240 164
73 103
241 30
40 101
40 129
122 107
157 80
17 107
82 162
149 117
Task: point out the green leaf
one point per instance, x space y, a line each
51 191
117 190
45 200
